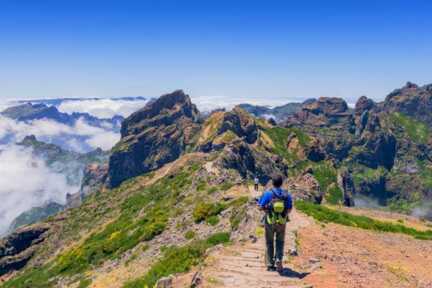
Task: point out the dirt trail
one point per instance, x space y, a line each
242 265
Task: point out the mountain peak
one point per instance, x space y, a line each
167 108
153 136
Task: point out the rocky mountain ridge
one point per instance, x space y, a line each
174 179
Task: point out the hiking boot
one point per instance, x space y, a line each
279 267
271 268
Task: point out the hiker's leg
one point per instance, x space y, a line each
280 241
269 239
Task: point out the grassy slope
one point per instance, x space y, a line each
178 260
143 215
325 214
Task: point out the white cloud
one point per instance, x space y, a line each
77 136
105 140
41 185
102 108
209 103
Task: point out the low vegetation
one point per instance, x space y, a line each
417 131
208 211
279 137
327 215
178 260
143 215
334 195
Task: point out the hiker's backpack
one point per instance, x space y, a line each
277 212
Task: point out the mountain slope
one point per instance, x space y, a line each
177 186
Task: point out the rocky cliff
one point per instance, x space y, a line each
153 136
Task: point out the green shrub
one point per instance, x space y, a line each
400 205
204 210
190 234
178 260
84 283
324 214
334 195
213 220
325 175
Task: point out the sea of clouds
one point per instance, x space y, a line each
81 137
26 181
102 108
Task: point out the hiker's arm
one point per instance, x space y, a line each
263 201
289 205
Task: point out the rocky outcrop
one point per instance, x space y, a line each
411 100
322 112
379 149
94 177
362 113
249 162
222 128
18 248
346 184
306 187
153 136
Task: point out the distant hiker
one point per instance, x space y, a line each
277 203
256 181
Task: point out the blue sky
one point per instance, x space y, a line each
266 51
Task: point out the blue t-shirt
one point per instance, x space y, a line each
267 197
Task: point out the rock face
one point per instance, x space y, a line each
379 150
94 177
306 187
222 128
18 248
153 136
346 184
322 112
250 163
411 100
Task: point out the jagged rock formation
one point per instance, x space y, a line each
153 136
322 112
386 141
17 249
411 100
306 187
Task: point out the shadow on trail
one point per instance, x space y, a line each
287 272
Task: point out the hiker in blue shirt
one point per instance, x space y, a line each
277 204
